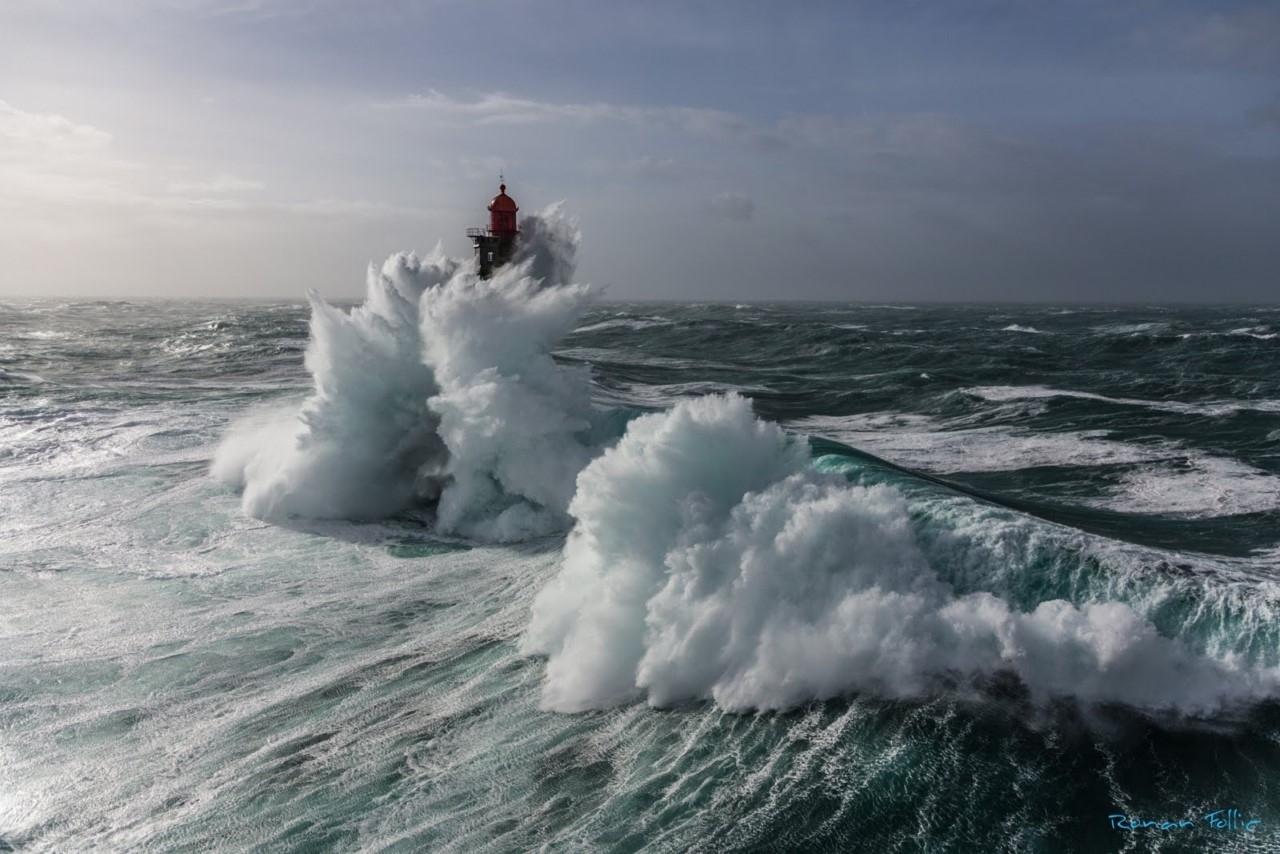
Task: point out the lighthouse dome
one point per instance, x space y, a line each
502 202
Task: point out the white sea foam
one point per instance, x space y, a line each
1132 328
1005 393
923 443
1195 485
1164 477
8 376
1262 333
440 385
707 562
624 323
1014 327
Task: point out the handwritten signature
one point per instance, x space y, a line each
1218 820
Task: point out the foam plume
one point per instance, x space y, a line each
516 425
708 562
439 386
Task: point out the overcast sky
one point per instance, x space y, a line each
896 150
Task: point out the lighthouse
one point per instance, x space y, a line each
495 244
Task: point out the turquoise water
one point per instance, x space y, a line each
1062 519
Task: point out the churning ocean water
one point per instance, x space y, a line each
498 567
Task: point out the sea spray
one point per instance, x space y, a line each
516 424
548 245
439 386
708 562
358 446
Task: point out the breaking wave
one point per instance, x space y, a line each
710 561
439 388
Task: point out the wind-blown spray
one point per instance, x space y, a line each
439 386
515 424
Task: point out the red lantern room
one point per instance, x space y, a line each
502 213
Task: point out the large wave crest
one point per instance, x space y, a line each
709 562
440 387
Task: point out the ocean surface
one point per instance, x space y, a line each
300 577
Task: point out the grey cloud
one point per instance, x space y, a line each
927 134
253 10
1267 114
497 108
50 164
487 167
22 131
735 206
652 167
646 166
1250 37
218 185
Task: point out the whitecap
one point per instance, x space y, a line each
708 562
